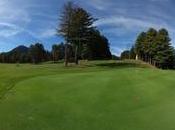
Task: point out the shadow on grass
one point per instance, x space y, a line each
106 64
121 65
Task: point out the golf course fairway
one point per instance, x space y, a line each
97 96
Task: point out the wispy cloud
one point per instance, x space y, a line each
100 4
48 33
13 19
7 29
119 20
130 23
123 20
16 19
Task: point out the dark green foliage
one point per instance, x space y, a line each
128 54
70 53
139 45
58 51
155 48
125 55
37 53
98 46
164 52
132 53
21 54
114 57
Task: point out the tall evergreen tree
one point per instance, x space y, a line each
149 44
164 52
132 53
65 28
75 26
139 46
83 23
98 46
155 47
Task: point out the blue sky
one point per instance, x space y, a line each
29 21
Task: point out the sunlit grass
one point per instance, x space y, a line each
96 95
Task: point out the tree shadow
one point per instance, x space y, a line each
121 65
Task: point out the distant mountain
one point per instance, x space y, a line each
20 49
16 55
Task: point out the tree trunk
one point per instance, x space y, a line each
66 55
150 61
76 55
144 58
54 57
154 63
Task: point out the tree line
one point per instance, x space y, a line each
36 53
153 47
83 41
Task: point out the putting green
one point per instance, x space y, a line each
110 99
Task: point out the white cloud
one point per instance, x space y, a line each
128 23
124 26
100 4
48 33
13 18
7 29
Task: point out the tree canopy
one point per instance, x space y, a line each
155 48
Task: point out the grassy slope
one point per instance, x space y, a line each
95 96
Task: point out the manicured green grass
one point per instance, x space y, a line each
93 96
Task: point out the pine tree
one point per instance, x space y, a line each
132 53
155 47
75 26
149 44
83 23
139 46
164 52
65 28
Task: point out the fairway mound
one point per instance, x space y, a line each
123 64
